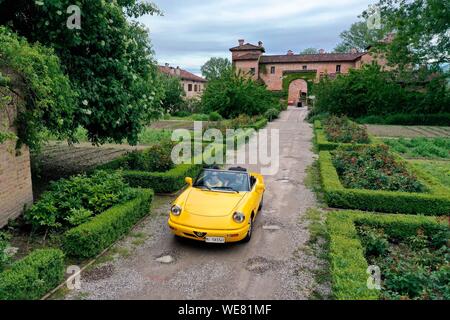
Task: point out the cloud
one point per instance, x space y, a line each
192 31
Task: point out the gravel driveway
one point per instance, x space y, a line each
274 265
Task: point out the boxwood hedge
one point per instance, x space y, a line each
436 201
91 238
161 182
33 276
347 262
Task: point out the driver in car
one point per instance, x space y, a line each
213 181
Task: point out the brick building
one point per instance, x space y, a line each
15 175
193 85
291 72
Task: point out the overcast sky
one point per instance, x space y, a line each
192 31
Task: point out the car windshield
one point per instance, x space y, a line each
228 181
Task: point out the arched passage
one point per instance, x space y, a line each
298 90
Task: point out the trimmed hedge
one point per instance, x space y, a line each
434 202
347 262
324 145
33 276
161 182
91 238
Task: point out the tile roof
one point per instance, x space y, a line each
248 46
184 75
320 57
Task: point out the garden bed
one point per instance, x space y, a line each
440 170
324 143
435 200
430 148
359 239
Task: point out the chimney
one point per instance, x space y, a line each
321 51
167 65
178 71
290 53
172 70
260 43
241 42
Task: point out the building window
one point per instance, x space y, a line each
272 70
189 87
305 67
252 71
338 68
195 88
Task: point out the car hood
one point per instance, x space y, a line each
211 203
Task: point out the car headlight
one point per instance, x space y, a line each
175 210
238 217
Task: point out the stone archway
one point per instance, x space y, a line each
297 89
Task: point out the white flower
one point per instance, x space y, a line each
39 3
85 102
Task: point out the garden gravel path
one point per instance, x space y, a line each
274 265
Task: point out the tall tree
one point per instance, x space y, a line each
108 59
359 37
215 67
309 51
173 93
421 29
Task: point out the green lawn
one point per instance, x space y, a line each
430 148
438 169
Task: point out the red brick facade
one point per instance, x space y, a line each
273 69
15 174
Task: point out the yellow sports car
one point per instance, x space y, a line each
219 206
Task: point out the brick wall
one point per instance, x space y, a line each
15 174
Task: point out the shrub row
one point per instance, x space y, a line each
324 145
33 276
409 119
91 238
435 201
161 182
347 262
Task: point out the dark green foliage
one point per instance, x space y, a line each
69 202
91 238
109 61
215 116
340 129
371 91
5 258
33 276
234 94
49 98
156 158
433 202
409 119
417 263
373 168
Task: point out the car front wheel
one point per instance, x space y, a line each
249 233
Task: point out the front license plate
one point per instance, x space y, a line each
215 239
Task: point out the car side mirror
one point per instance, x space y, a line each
259 188
188 180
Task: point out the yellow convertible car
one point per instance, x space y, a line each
219 206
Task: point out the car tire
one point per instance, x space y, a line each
261 204
248 237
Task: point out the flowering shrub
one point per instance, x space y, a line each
374 168
416 267
340 129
